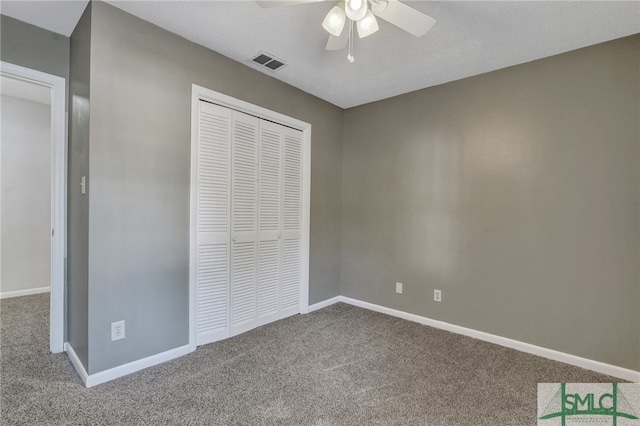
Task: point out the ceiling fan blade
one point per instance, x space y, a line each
340 42
277 3
404 17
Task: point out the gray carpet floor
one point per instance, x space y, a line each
341 365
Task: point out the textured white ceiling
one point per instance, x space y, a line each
469 38
25 90
54 15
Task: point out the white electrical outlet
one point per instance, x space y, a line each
117 330
399 288
437 295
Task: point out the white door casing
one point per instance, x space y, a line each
58 192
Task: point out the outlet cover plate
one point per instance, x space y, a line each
117 330
437 295
399 288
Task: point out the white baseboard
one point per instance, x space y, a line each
125 369
76 362
600 367
27 292
324 304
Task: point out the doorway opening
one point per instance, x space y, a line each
43 95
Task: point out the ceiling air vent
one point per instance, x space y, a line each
268 61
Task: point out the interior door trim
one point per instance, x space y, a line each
58 192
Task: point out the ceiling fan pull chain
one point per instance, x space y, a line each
350 55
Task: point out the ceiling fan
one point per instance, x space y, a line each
363 14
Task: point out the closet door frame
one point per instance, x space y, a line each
199 93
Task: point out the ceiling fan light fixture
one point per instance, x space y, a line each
334 21
367 25
356 9
379 6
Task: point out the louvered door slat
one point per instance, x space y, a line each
212 223
244 284
270 221
292 180
290 274
244 187
269 266
212 288
270 170
244 250
292 221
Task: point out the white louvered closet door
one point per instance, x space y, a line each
212 222
291 253
248 246
244 222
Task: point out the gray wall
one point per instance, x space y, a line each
141 80
25 194
32 47
78 204
516 193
